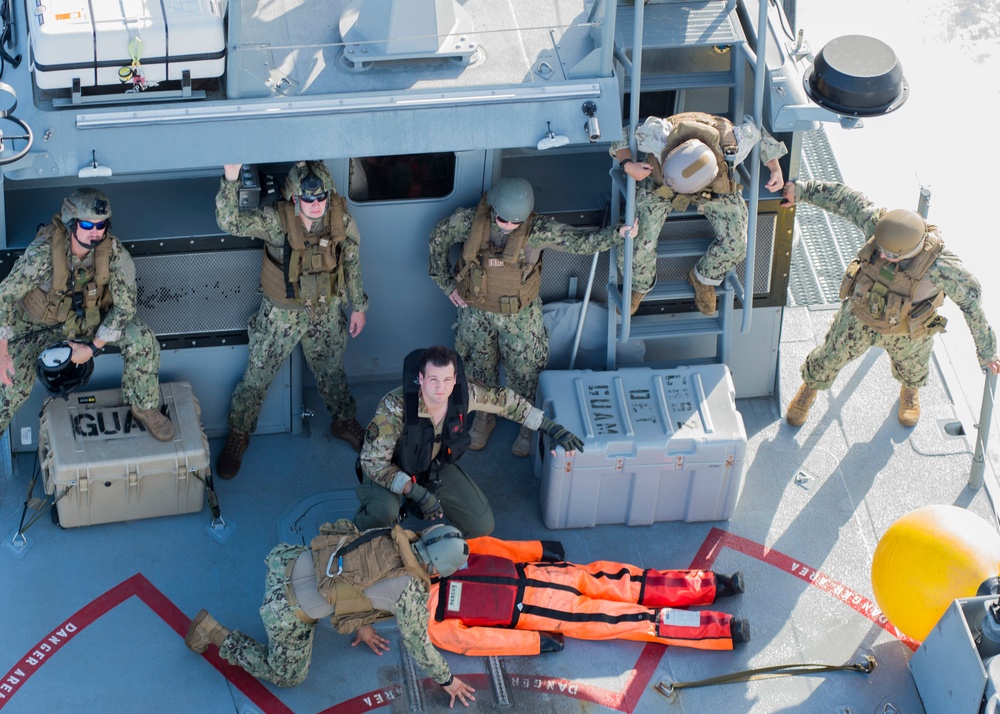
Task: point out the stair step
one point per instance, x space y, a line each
678 325
682 247
675 290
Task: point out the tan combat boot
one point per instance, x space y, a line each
636 301
798 408
704 295
158 426
909 406
232 454
482 427
350 431
204 631
522 444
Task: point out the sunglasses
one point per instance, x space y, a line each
306 198
90 225
509 223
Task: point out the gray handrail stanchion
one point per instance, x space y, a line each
633 115
976 476
583 311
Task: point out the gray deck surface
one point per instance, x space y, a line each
129 588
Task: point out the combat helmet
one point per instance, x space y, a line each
512 199
443 547
86 204
308 178
900 232
690 167
58 373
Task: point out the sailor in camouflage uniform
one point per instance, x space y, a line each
495 287
890 294
311 259
76 282
691 159
419 432
355 579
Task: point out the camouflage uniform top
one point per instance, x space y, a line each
546 232
34 270
264 223
386 428
947 274
770 148
410 610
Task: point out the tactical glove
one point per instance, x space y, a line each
429 504
561 436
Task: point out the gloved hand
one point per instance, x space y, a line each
429 504
561 436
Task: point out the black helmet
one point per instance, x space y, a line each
57 372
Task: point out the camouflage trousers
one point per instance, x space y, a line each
463 503
727 214
483 338
286 657
274 332
849 338
140 366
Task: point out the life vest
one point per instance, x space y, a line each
311 272
343 572
492 279
484 593
89 289
713 131
415 450
888 297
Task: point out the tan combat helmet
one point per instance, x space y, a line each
900 233
512 198
443 547
308 178
86 204
690 167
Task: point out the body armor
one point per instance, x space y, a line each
713 131
343 572
893 299
497 280
311 272
415 448
79 301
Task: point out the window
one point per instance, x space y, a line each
409 176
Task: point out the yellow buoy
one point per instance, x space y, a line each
928 558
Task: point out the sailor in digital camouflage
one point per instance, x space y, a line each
419 432
691 159
890 293
355 579
495 287
311 264
76 282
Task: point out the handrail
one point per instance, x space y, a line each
976 475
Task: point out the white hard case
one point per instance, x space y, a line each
102 465
89 41
659 445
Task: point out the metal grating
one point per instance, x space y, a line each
198 293
824 243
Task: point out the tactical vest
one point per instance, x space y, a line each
78 308
482 594
342 579
716 133
492 279
311 272
884 295
415 449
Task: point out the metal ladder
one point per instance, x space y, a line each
676 26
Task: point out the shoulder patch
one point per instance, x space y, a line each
371 433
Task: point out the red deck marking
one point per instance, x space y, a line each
625 700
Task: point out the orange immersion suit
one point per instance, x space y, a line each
507 598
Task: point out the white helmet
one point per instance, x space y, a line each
690 167
443 547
